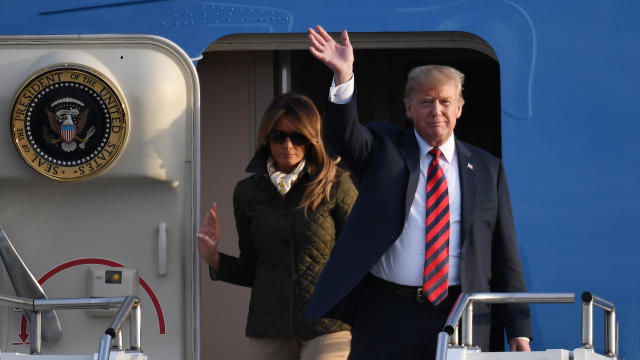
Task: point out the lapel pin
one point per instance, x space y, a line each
470 166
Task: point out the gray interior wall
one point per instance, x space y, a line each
236 87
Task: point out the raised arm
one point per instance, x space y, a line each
337 57
343 133
235 270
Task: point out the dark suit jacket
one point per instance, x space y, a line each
384 161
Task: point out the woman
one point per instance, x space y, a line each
288 215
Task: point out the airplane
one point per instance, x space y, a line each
110 209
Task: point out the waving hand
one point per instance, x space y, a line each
208 237
338 57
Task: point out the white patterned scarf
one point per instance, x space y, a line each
283 181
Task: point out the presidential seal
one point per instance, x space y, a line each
69 122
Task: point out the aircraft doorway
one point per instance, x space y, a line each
240 74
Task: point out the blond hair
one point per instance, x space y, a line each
432 75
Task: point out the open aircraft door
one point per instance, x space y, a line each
99 184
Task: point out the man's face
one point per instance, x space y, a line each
434 111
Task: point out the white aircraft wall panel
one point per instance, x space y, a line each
61 228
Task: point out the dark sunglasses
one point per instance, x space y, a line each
279 137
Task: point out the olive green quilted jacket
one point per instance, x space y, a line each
282 252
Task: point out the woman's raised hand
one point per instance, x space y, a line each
337 57
208 237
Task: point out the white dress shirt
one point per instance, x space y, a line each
404 263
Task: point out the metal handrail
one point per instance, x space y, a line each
463 310
610 327
26 286
128 305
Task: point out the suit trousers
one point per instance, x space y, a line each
393 327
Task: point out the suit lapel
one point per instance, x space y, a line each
467 187
411 152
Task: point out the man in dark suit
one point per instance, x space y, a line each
433 218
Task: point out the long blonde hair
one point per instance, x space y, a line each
301 111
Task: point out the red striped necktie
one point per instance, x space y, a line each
436 259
